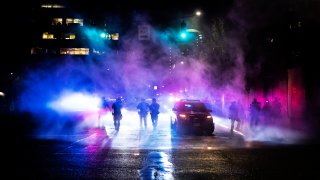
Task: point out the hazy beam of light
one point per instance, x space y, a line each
75 101
130 135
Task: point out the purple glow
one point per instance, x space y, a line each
69 89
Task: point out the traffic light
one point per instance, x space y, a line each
183 35
186 36
103 35
183 30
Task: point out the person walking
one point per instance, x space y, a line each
233 116
154 112
143 109
117 115
255 108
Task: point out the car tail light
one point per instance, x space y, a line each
209 117
182 115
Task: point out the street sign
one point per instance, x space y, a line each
144 32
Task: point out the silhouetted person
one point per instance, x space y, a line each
234 116
117 115
154 112
104 108
255 108
276 109
241 114
143 109
266 112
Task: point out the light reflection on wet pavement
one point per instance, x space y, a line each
156 166
130 136
147 154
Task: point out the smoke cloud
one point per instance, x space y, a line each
216 72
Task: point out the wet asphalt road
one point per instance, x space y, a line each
96 153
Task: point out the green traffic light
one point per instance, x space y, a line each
183 35
103 35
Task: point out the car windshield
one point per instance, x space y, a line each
186 106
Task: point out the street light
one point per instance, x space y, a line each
191 19
198 13
185 35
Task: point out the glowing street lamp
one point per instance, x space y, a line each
192 19
189 34
198 13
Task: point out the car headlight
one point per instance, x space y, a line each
182 116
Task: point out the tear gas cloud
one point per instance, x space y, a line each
65 85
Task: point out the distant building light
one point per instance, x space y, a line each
52 6
57 6
74 21
46 35
115 36
57 21
74 51
72 36
299 24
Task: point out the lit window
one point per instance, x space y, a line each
38 50
72 36
299 24
75 51
69 36
46 35
57 21
57 6
99 52
51 6
46 5
34 50
115 36
74 21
